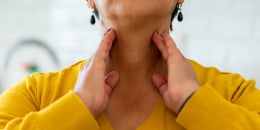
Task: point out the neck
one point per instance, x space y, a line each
134 55
133 51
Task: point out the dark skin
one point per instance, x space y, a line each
136 63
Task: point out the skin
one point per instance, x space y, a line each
136 63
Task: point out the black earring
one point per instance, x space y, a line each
180 16
92 18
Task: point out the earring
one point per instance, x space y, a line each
180 16
92 17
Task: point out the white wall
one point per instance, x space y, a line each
221 33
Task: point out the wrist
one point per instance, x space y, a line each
185 96
181 106
88 103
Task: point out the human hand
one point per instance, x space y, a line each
93 85
181 81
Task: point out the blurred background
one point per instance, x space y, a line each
46 35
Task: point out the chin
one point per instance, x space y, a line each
135 9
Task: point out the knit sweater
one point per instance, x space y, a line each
46 101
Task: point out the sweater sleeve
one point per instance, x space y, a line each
208 110
20 111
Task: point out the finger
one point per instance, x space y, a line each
105 45
160 44
111 80
160 82
171 46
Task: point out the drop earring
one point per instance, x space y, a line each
92 17
180 16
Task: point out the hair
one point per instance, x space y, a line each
174 13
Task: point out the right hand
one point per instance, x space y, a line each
93 85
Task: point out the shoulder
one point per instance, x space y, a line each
226 83
205 72
209 73
63 80
45 88
70 72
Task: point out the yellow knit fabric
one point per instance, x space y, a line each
45 101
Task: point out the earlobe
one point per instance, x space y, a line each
180 1
91 4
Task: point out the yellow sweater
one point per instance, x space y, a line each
45 101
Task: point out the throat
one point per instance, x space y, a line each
136 58
134 51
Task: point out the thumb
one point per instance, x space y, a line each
160 82
111 80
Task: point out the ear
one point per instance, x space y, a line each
180 1
91 4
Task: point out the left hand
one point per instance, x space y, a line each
181 81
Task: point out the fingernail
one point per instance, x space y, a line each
155 33
160 35
107 31
165 34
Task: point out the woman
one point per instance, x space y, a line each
137 79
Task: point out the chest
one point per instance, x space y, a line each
157 118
